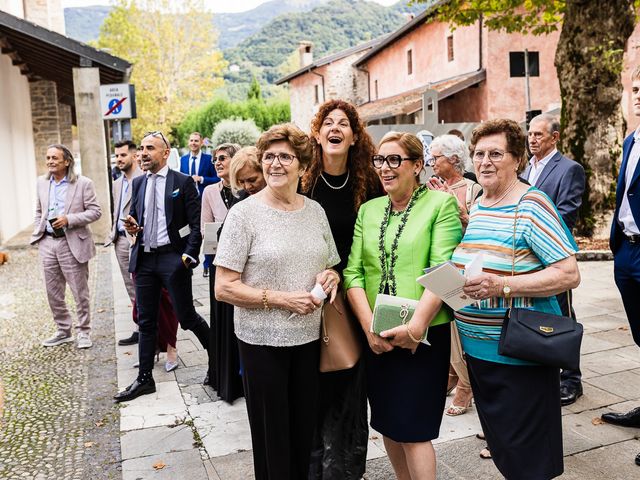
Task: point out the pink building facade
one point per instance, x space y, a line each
468 68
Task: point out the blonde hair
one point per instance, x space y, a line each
243 157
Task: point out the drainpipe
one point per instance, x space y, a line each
480 43
324 98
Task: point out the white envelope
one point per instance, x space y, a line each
446 282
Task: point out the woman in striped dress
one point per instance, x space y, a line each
518 402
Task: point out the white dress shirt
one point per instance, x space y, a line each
625 216
537 167
57 198
161 218
198 157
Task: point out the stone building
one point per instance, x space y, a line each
466 74
48 82
329 77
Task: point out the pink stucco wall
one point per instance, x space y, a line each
428 43
506 96
631 60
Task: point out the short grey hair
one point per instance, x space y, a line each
553 123
454 149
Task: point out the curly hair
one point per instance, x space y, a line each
516 139
359 163
290 133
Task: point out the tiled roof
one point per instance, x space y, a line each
331 58
411 101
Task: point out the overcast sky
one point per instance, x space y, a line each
214 5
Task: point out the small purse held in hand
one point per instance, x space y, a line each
544 338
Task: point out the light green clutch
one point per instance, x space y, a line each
386 317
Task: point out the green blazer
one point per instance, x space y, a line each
432 232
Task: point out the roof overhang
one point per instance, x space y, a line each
41 54
410 102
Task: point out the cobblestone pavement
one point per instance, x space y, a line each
59 421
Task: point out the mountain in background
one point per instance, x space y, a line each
83 23
336 25
233 28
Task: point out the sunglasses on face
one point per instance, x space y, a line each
220 158
157 133
393 160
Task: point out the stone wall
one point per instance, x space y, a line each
45 119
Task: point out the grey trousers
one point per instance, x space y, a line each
61 268
123 249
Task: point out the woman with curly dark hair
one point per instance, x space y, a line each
341 179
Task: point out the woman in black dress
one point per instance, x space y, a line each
341 179
224 365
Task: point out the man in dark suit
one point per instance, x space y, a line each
563 180
165 218
198 164
625 241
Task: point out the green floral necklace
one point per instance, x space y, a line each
388 277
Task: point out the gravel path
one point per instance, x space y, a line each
59 421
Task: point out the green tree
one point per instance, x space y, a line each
588 62
172 46
254 90
242 132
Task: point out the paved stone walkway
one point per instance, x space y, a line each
188 432
58 422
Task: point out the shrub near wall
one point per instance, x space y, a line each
263 113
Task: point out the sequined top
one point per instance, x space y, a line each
277 251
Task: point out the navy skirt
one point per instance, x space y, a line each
521 417
407 392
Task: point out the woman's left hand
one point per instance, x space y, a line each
483 286
399 337
329 280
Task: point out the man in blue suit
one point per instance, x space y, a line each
563 180
625 241
197 164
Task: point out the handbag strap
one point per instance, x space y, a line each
513 257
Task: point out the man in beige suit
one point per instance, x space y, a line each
66 205
125 152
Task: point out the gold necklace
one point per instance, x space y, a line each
511 187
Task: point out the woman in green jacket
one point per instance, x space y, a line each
395 238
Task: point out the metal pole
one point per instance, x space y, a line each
526 79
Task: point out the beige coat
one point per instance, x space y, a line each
81 209
117 191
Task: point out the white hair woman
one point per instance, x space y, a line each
448 159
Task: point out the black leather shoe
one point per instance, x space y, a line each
136 389
638 459
569 394
132 340
629 419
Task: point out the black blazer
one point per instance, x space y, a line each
181 207
633 195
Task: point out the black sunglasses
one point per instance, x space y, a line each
392 160
157 133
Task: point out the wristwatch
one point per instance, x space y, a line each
506 289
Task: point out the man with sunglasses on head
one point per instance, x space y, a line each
198 164
165 219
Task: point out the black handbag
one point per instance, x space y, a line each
544 338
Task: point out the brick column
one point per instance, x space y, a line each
45 119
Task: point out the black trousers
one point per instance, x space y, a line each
157 270
281 389
569 378
626 270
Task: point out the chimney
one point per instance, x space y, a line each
305 49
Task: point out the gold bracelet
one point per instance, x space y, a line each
265 300
411 335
